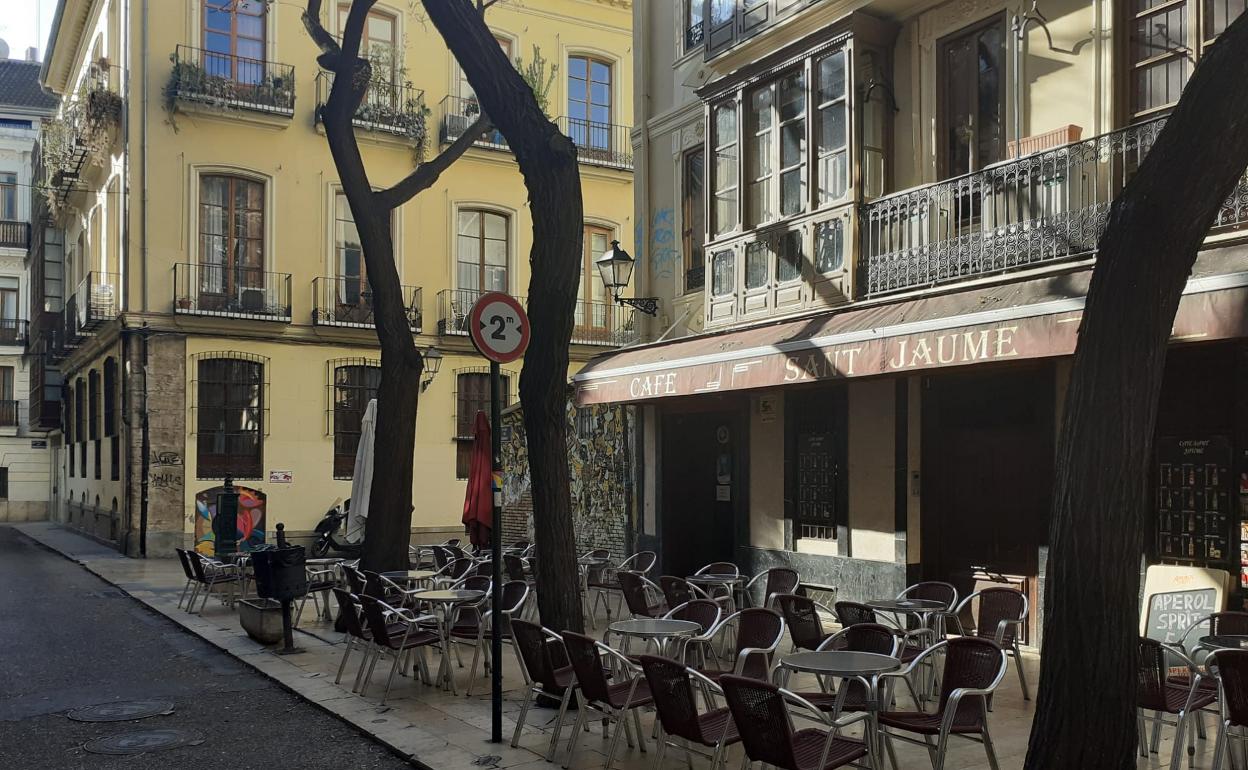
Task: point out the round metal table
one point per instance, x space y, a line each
1224 642
907 606
410 575
444 601
847 665
658 630
732 585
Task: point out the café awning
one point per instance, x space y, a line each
1034 318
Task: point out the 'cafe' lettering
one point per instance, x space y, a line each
663 384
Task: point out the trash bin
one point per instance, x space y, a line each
281 573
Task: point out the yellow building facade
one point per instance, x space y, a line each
215 316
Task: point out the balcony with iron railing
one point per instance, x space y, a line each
392 108
600 144
456 114
1047 207
14 234
96 300
231 291
348 302
217 79
10 413
74 143
596 323
13 332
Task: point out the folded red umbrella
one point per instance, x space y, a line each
479 500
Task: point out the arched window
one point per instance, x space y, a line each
482 250
589 102
231 243
231 410
354 385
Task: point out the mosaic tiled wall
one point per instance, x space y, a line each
600 468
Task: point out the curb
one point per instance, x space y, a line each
244 659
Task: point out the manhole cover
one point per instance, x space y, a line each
143 741
122 711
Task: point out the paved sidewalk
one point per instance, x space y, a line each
451 732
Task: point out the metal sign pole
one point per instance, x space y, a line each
496 546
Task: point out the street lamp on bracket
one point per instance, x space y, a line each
615 267
433 362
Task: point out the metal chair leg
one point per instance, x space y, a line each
583 712
988 749
346 653
1018 664
1143 731
641 739
1180 731
394 667
524 712
621 725
658 757
554 736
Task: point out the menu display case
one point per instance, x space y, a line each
1195 520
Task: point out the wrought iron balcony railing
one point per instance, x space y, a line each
96 300
1043 208
231 291
227 80
456 114
694 36
13 331
14 234
9 413
597 323
599 144
393 108
349 302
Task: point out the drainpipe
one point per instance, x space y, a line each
143 222
146 448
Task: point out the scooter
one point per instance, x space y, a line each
328 526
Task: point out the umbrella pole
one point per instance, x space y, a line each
496 545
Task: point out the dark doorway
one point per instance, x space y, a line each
701 466
987 474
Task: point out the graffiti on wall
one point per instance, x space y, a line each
251 505
663 244
598 471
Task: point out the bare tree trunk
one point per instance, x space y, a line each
1085 714
389 523
548 162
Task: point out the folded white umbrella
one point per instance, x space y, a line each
362 481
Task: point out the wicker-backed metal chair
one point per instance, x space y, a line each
776 581
973 667
851 613
678 715
612 701
678 591
999 614
1232 667
801 614
642 597
758 634
357 633
604 584
513 567
395 632
761 713
480 633
1155 692
213 575
721 593
706 614
192 584
547 674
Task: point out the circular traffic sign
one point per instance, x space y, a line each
499 327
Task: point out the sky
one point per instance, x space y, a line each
24 23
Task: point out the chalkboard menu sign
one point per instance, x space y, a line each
816 484
1171 614
1193 486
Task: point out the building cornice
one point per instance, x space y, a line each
64 40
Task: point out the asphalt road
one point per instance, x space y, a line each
68 639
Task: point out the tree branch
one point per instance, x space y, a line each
427 173
353 30
322 38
